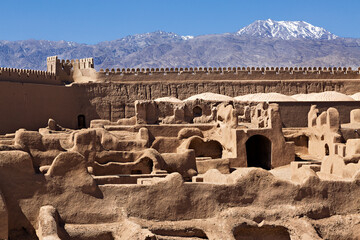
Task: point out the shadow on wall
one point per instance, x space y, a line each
258 151
188 233
266 232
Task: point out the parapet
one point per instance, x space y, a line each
82 70
28 76
228 73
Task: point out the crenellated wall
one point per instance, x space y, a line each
85 63
82 70
249 73
28 76
67 70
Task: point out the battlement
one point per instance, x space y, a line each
229 73
231 69
64 68
86 63
81 63
82 70
28 76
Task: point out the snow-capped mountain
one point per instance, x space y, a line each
285 30
262 43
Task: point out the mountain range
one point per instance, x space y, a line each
262 43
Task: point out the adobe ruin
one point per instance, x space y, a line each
197 153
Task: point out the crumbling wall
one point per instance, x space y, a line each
324 131
112 101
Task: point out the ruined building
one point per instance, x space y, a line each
194 153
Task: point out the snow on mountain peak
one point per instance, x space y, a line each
285 30
188 37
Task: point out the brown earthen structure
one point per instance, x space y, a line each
193 153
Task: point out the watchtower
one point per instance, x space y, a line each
53 63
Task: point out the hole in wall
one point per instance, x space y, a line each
327 150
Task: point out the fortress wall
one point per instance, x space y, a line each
28 76
27 105
114 100
176 74
129 92
154 89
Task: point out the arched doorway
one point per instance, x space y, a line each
258 151
81 122
197 112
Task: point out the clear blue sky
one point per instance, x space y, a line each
92 21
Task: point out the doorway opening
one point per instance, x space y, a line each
258 151
197 112
81 121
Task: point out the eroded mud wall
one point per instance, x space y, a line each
31 105
27 105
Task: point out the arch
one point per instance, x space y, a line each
327 150
258 152
210 148
197 111
144 165
81 121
